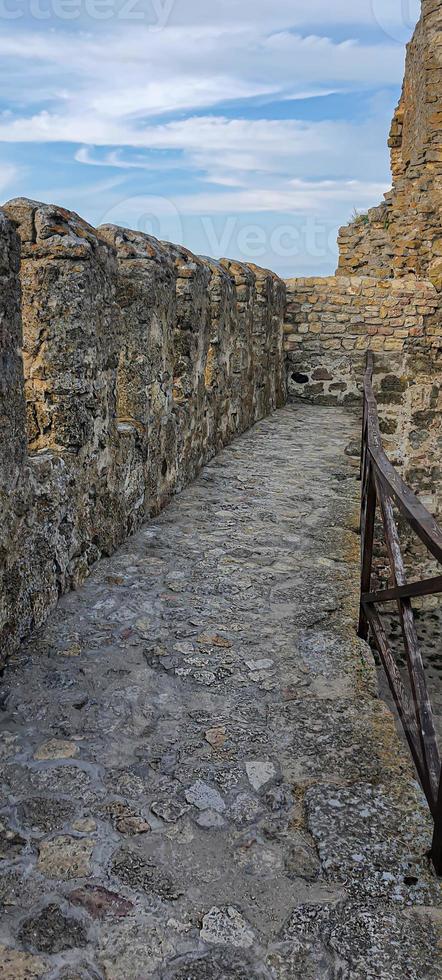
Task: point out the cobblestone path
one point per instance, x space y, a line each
199 781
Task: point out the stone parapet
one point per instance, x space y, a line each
126 365
12 402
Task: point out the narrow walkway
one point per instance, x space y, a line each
199 781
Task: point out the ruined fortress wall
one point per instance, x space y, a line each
403 236
125 365
387 293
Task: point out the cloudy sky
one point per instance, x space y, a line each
248 128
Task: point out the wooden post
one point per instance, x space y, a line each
367 539
436 849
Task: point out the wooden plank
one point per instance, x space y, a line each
419 519
436 849
431 586
418 720
364 441
401 699
423 709
368 517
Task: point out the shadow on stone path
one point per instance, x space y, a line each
199 780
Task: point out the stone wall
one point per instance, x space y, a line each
387 293
330 325
125 366
12 405
403 235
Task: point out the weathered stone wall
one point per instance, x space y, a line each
36 514
387 294
332 323
243 353
146 298
365 245
404 235
132 363
12 405
267 345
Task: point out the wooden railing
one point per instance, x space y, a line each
381 487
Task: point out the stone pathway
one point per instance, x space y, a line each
199 781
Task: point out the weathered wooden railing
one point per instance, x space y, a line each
382 486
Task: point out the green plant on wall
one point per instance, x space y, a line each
359 217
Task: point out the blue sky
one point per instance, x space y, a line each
247 128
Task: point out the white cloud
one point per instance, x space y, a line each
322 198
134 72
214 143
252 164
298 196
117 160
238 151
393 16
